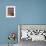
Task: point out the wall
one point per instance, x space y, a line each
31 11
7 25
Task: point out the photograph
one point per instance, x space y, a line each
10 11
28 34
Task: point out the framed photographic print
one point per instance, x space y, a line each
10 11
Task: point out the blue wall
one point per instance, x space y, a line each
31 11
7 25
27 12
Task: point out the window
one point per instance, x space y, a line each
10 11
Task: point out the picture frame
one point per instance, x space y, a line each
10 11
40 28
